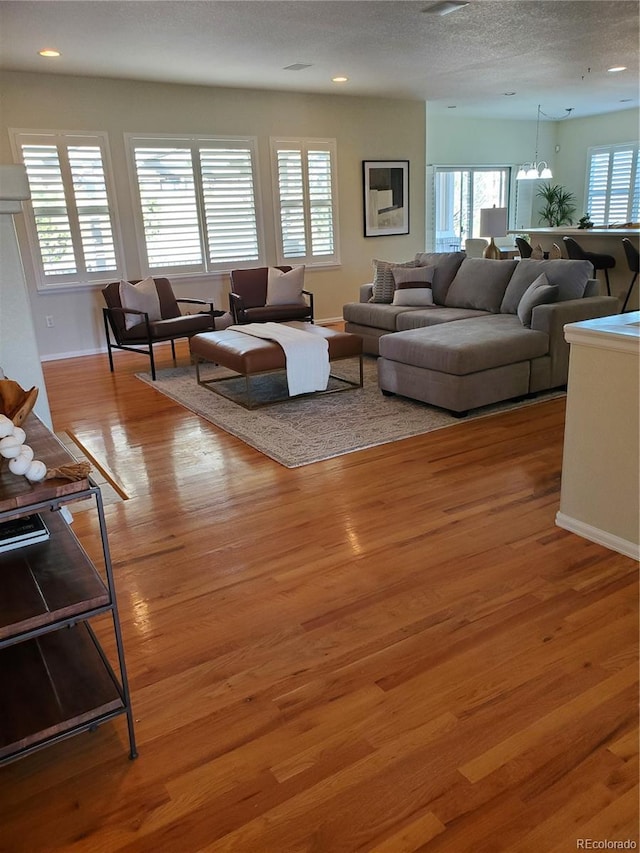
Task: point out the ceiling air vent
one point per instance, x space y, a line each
297 66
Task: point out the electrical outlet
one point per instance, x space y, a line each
49 321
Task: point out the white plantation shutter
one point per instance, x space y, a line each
72 224
320 203
169 209
229 202
613 184
197 202
291 193
92 207
304 177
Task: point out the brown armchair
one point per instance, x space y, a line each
142 335
248 298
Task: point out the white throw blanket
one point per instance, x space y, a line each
306 355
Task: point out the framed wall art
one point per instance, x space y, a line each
385 197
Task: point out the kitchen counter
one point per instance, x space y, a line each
606 241
599 497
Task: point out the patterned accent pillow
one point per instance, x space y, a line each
413 297
409 278
383 282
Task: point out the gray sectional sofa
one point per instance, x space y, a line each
493 332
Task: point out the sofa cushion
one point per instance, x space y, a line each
373 315
468 346
445 265
570 276
433 316
539 292
480 283
383 282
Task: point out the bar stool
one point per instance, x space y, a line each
633 259
524 247
599 261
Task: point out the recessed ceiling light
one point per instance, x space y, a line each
339 79
625 100
452 107
445 7
617 68
508 94
48 52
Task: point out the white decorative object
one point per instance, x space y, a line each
36 471
20 464
19 434
27 451
10 447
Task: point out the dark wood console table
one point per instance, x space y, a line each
56 679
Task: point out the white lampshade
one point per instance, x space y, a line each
493 222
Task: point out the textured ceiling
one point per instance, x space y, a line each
549 52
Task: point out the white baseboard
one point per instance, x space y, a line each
601 537
58 356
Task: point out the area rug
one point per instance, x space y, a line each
303 430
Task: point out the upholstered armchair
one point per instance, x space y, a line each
269 294
137 317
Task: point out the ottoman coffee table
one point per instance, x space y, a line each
249 356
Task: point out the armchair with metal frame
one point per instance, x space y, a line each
142 336
248 299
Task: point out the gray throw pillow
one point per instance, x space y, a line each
480 283
539 292
383 282
445 266
570 276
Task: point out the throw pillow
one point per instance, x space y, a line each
383 282
539 292
285 288
142 296
446 265
408 277
413 297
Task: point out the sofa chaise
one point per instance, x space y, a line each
493 332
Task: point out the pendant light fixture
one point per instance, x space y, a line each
537 170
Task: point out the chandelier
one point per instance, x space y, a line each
537 170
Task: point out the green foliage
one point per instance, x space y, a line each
585 221
558 205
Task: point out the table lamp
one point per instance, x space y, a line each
493 223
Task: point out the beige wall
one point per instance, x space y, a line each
365 129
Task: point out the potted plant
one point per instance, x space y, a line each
558 208
585 222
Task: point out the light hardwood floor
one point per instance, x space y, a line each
391 651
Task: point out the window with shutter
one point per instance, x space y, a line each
198 210
70 219
305 198
613 184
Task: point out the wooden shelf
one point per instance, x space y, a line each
55 679
46 582
58 684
